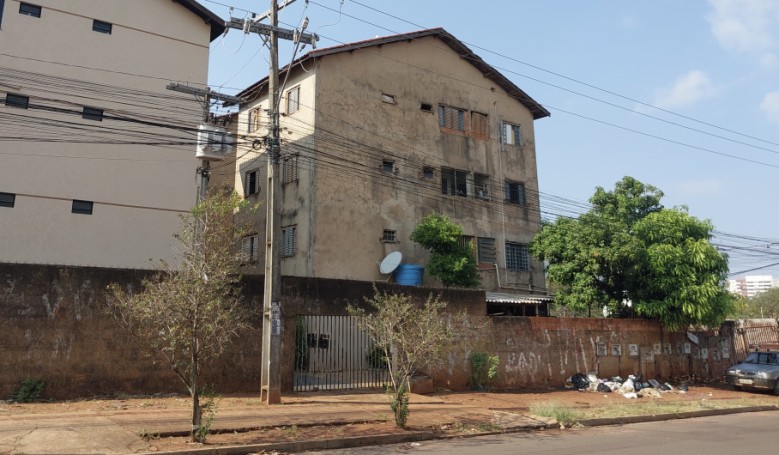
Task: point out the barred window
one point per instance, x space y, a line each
451 118
515 193
486 249
250 249
517 258
289 169
389 236
454 182
288 241
255 119
466 241
481 186
511 134
251 182
293 100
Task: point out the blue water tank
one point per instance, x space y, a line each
409 274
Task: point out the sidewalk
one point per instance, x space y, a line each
120 430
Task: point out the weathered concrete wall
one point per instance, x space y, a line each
52 326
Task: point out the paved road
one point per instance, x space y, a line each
732 434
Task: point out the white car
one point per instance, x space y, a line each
760 370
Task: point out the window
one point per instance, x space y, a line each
288 241
92 113
289 169
485 249
517 258
389 236
466 241
454 182
251 183
2 6
481 186
480 126
102 27
515 192
426 107
451 118
428 172
250 249
511 134
29 10
7 199
388 99
255 119
388 166
14 100
293 100
82 207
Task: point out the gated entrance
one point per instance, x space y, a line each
749 334
332 353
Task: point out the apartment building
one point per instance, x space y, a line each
378 134
96 156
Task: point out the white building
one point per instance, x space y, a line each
751 285
96 156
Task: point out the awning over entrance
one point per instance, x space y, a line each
505 304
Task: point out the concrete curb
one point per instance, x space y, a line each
678 415
416 436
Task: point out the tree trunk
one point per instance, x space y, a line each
197 413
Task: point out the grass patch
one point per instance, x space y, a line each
561 413
659 407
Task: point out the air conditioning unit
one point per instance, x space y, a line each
213 143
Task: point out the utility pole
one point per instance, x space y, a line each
270 377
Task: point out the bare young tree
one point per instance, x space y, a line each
412 337
191 313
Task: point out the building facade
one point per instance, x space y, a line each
378 134
751 285
96 156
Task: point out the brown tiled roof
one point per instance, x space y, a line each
466 53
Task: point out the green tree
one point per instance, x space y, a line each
191 313
411 337
763 305
636 257
450 261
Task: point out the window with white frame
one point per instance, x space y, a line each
485 250
454 182
515 192
293 100
289 169
517 257
451 118
288 241
250 246
251 183
511 134
481 186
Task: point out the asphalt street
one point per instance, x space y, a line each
737 433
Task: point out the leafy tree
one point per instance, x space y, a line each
636 257
411 337
763 305
191 313
450 262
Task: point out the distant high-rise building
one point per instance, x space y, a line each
751 285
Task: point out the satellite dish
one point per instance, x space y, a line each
390 263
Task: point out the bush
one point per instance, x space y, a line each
30 390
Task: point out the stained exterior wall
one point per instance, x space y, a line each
53 327
345 130
138 191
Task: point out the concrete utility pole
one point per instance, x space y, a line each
270 378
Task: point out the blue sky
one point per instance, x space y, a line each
711 66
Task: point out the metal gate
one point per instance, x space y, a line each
751 334
332 353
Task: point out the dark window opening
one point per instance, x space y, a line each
82 207
518 309
427 107
2 6
7 199
29 10
428 172
92 113
14 100
388 166
389 236
251 183
481 186
515 193
485 247
454 182
517 258
102 27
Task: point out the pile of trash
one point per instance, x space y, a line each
632 387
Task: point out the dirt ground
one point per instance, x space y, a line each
514 401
